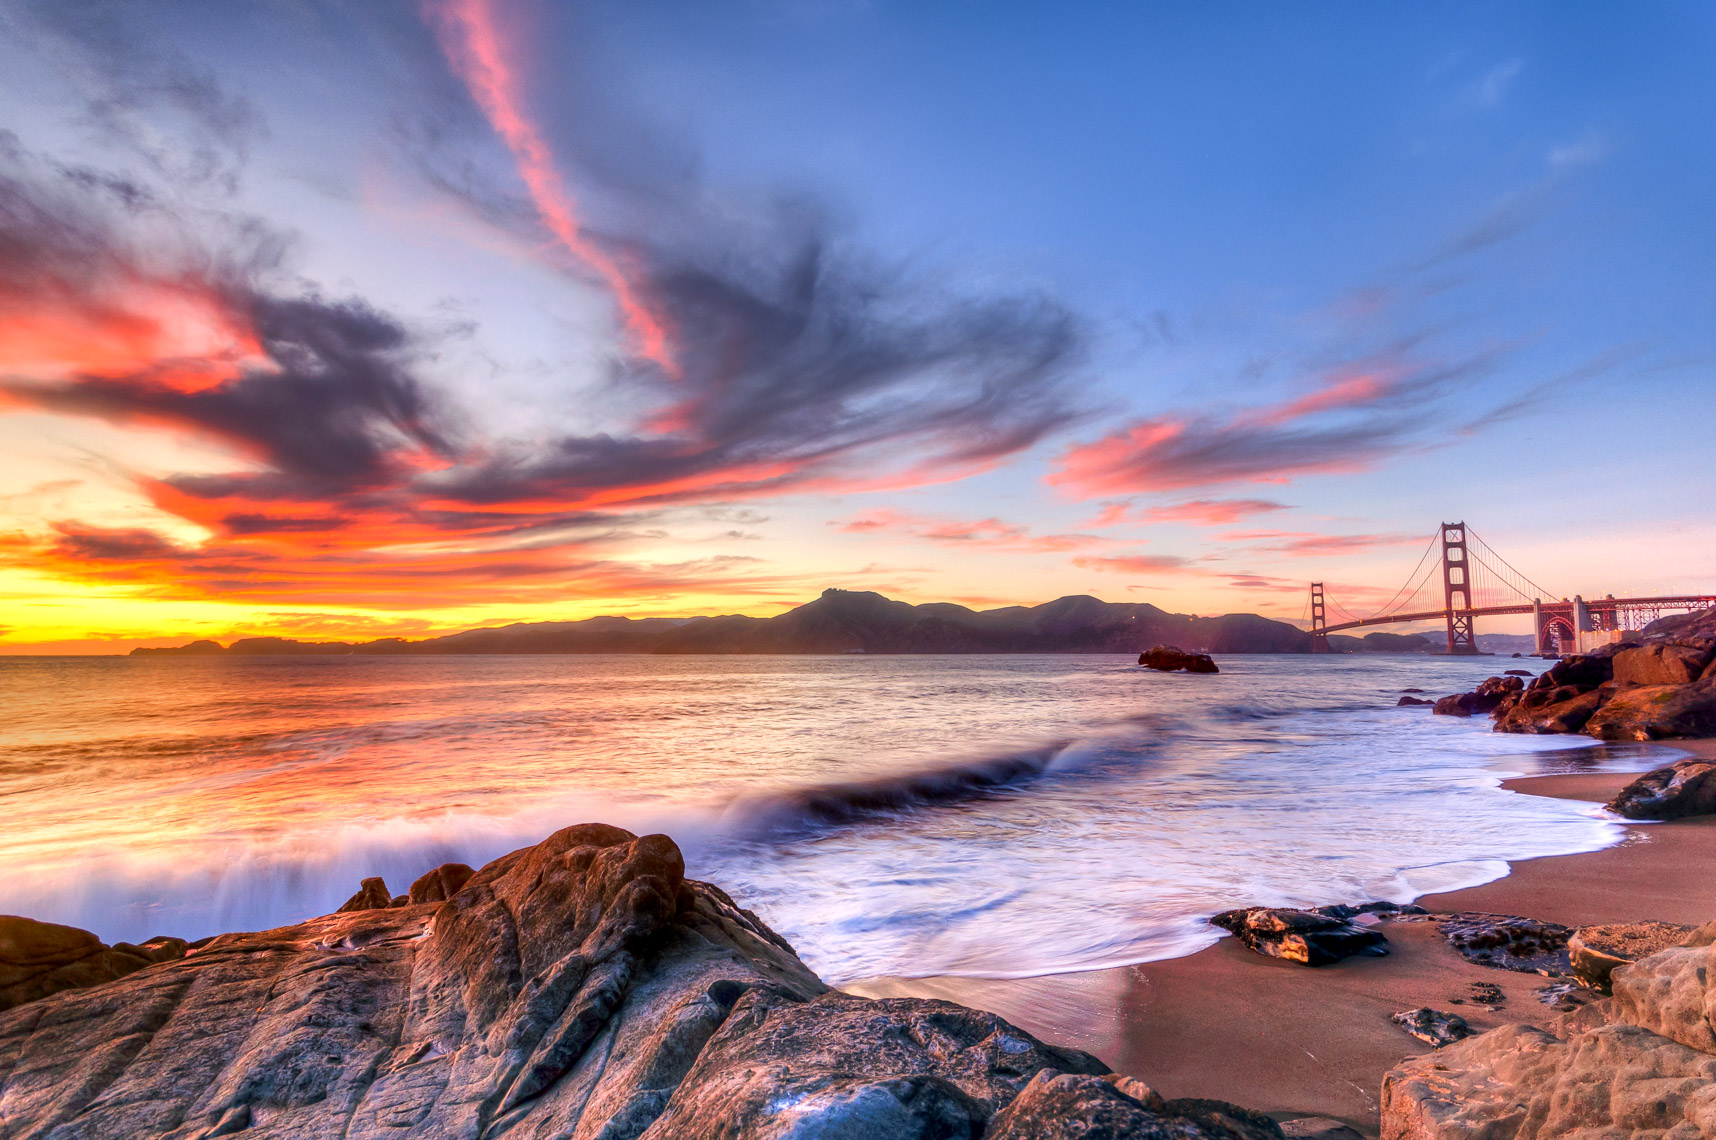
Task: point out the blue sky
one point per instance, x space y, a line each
1342 271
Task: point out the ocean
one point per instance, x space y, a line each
997 816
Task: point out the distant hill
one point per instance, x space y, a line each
1384 643
840 621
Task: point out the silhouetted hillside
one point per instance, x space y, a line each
843 621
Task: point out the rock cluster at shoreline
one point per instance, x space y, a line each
580 989
1662 686
1641 1064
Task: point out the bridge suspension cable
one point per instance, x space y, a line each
1502 579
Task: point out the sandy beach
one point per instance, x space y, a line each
1293 1041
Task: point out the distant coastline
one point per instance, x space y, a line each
845 621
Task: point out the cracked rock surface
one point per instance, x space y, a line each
580 989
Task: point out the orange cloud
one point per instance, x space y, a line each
991 533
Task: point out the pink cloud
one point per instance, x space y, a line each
992 533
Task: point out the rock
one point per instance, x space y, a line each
1519 1082
1311 937
1218 1117
1412 701
1509 942
1663 664
1560 710
581 988
1579 669
1169 659
1657 712
42 958
1319 1128
1517 672
1673 992
372 895
1681 789
440 884
1595 951
1484 699
1432 1026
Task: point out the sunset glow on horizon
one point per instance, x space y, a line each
536 313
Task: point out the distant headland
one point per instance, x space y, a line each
848 621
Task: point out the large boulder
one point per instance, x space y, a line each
1485 699
1579 669
440 884
1657 712
582 988
1681 789
1673 992
1170 659
1068 1106
1662 664
1559 710
42 958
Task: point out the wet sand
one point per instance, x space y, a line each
1293 1041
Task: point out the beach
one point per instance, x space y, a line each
1291 1041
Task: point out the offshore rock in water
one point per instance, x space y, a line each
581 988
1311 937
1682 789
1170 659
1492 694
1509 942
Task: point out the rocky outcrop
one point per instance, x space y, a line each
1679 790
1542 711
1309 937
1640 1066
42 958
1657 712
1509 942
1595 951
1669 664
440 884
1170 659
580 989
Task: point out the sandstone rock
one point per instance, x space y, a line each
1519 1082
578 989
1657 712
1673 992
1432 1026
1595 951
1539 711
372 895
1170 659
440 884
1509 942
1663 664
42 958
1310 937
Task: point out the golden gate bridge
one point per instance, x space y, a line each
1470 580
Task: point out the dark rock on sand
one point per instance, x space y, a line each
1310 937
1432 1026
1595 951
1067 1106
1679 790
1509 942
42 958
1412 701
440 884
1171 659
372 895
1657 712
582 988
1639 1066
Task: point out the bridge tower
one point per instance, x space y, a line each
1319 620
1457 590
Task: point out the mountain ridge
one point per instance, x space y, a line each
839 621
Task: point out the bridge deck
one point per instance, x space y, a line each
1594 605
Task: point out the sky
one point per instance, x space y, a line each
393 319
